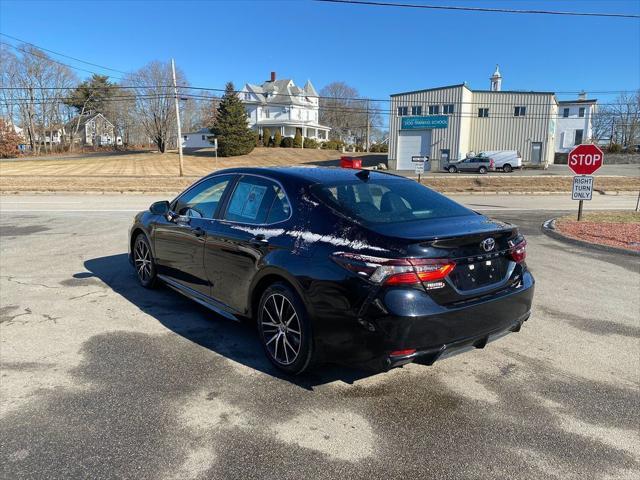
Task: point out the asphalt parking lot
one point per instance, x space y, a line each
103 379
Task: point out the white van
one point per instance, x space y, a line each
506 160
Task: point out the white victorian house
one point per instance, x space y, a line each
280 105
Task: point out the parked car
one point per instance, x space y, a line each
338 265
473 164
505 160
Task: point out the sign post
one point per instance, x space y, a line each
584 160
420 163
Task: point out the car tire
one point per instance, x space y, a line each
453 169
144 263
507 168
482 170
285 329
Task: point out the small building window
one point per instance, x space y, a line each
578 138
416 110
483 112
519 111
403 111
581 112
203 137
565 113
447 109
434 109
444 153
185 137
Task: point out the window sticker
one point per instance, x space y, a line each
246 200
253 202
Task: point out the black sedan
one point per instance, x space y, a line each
338 265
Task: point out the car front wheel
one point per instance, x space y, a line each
452 169
284 328
482 170
143 262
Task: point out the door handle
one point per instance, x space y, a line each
198 232
259 240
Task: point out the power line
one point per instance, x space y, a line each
63 55
44 57
481 9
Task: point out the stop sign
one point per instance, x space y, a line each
585 159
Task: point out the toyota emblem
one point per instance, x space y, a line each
488 244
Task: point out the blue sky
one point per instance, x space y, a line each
377 50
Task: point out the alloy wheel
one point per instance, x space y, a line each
281 329
142 260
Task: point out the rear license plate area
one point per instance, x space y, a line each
479 274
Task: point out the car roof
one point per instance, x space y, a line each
310 174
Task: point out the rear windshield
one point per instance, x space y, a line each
380 201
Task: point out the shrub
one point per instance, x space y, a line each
258 139
9 140
332 145
297 140
287 142
277 139
266 137
310 143
379 148
614 148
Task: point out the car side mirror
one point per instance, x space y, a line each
159 208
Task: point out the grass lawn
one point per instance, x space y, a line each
613 228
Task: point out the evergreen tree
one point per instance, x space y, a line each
277 139
231 129
92 95
297 140
266 137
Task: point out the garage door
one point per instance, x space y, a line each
411 143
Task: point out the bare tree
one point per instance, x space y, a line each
348 114
619 121
36 86
154 104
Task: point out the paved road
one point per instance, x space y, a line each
102 379
629 170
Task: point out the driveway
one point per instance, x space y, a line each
102 379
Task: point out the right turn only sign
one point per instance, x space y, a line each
582 187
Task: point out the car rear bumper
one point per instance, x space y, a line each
433 331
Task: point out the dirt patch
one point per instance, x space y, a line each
619 229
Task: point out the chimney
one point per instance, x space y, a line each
582 95
273 76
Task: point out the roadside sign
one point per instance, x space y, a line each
582 187
420 164
585 159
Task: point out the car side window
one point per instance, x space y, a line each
202 200
257 200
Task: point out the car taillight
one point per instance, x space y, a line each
396 271
519 251
491 163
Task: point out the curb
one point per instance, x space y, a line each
549 229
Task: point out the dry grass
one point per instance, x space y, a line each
153 172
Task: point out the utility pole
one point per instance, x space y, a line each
175 96
368 127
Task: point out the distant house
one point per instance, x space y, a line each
52 136
575 122
280 105
203 138
93 130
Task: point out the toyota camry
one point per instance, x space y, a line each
338 265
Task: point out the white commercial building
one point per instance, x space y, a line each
450 122
575 122
280 105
